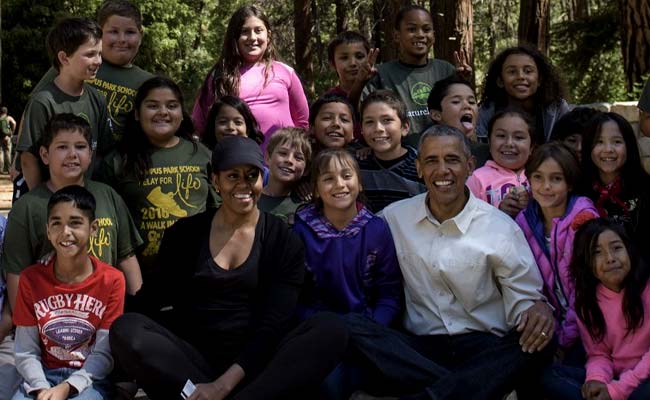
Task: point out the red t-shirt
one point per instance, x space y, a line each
68 315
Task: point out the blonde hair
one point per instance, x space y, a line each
293 137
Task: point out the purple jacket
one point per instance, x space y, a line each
554 261
352 270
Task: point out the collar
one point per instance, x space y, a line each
461 221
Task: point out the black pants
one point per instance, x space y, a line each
161 362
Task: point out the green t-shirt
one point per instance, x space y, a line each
52 100
412 84
26 236
283 207
644 101
176 186
118 85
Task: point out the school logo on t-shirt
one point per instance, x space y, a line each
420 93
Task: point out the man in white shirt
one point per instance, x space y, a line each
475 316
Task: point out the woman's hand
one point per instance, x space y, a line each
220 388
58 392
595 390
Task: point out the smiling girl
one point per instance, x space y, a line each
612 299
350 255
502 181
523 78
159 171
614 177
549 223
248 68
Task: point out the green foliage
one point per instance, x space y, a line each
589 51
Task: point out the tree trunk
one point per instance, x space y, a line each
580 9
385 12
302 24
453 25
635 34
341 15
534 21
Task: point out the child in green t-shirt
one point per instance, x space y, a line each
75 47
413 74
66 151
287 155
118 79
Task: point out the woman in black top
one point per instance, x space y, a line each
227 283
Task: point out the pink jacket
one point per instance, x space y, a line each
620 360
553 261
492 182
279 103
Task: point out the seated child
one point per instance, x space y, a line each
572 126
612 299
9 378
388 174
452 102
65 309
549 223
350 55
502 181
287 155
349 252
65 150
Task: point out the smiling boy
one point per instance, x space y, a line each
75 47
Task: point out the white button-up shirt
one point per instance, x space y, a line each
473 272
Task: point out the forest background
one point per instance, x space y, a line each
602 47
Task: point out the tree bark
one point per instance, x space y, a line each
453 25
385 13
580 9
341 15
302 24
635 34
534 23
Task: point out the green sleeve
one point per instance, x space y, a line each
20 244
47 78
34 120
644 101
128 238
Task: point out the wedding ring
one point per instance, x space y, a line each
543 334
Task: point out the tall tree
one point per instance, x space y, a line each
534 23
341 15
635 34
302 24
385 13
453 24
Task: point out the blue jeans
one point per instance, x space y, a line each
97 391
474 366
562 382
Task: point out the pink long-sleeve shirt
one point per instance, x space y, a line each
620 360
278 103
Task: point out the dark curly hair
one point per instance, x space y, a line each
551 89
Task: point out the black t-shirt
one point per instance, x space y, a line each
221 303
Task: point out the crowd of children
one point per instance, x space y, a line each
236 237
